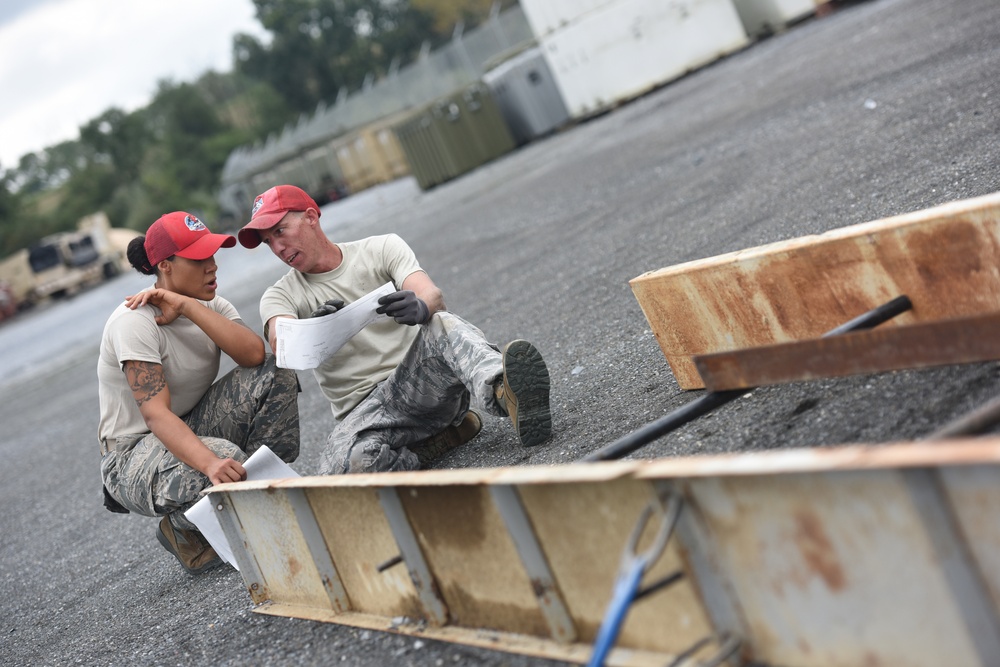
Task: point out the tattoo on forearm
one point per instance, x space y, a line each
145 379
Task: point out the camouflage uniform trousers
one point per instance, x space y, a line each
449 364
246 408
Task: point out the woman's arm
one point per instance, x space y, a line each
244 346
149 388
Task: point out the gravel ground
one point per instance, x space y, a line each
883 107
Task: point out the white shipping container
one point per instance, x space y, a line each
761 17
545 16
629 47
526 93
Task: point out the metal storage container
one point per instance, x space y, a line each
628 47
424 149
545 16
371 154
526 93
454 135
762 17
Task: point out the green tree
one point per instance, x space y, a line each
319 46
117 139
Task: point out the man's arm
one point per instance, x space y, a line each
269 332
421 284
415 303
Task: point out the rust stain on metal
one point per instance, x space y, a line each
470 611
466 508
872 660
294 566
540 590
817 550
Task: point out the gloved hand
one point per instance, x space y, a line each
328 308
405 307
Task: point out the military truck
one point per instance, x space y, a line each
68 262
62 264
17 281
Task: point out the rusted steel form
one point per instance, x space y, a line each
961 340
944 258
831 557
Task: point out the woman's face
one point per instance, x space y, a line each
192 277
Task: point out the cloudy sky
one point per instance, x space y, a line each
64 62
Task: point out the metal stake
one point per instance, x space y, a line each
710 401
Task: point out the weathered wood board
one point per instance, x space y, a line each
960 340
946 259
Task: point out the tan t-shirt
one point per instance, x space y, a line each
190 361
349 375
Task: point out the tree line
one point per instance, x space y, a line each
169 155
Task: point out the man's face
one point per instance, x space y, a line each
291 240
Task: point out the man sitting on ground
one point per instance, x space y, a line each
401 394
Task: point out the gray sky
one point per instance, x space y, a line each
63 62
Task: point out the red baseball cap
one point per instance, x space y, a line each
270 207
184 235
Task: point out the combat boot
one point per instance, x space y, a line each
524 392
450 438
190 549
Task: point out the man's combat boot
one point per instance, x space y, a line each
188 546
450 438
524 392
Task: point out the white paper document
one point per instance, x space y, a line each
305 344
262 464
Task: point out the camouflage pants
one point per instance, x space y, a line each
449 364
246 408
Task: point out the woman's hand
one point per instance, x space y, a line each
171 304
221 471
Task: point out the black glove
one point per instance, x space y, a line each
404 307
328 308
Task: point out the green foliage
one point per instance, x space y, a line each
168 156
321 46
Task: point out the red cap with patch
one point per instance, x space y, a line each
184 235
270 207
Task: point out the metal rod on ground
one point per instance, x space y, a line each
710 401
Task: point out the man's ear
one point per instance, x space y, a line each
165 266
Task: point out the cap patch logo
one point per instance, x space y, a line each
257 203
194 224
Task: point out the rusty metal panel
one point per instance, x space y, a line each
543 584
359 539
583 529
281 553
833 569
474 561
954 341
975 500
820 557
946 259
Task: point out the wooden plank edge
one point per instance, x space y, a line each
506 642
939 453
961 340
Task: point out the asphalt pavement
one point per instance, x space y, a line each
881 108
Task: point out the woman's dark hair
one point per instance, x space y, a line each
136 254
